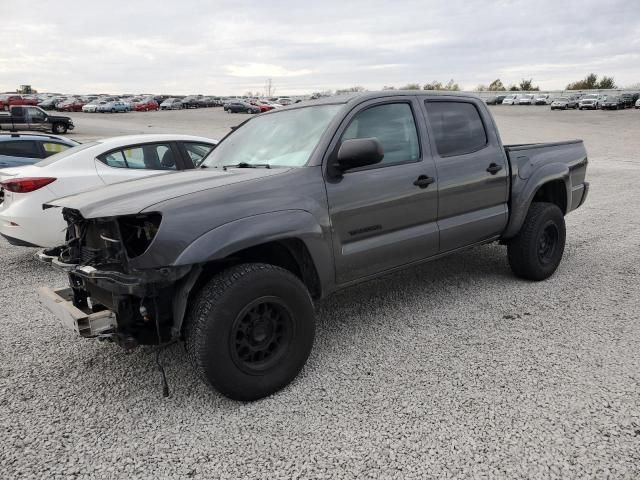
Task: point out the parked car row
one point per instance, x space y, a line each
580 101
256 105
95 103
8 100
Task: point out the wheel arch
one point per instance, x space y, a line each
291 254
551 183
292 239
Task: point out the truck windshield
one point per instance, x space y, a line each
285 138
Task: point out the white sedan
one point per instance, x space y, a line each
23 190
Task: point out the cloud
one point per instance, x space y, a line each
264 70
230 47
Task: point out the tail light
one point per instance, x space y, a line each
26 184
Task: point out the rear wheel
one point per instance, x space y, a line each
537 250
250 330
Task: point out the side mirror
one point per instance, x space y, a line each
358 152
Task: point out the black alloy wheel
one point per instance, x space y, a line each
261 334
547 243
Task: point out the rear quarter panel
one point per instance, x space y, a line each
534 165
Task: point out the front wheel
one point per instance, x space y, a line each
537 250
59 128
250 330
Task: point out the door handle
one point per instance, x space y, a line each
424 181
494 168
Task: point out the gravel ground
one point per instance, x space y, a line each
454 369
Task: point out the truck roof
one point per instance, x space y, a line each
360 96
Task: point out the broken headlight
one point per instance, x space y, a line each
138 231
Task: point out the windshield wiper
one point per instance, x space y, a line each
246 165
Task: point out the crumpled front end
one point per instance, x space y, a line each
140 304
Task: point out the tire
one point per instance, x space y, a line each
536 252
231 330
59 128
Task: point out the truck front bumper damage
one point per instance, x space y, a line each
142 307
84 322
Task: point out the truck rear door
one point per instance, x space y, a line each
472 171
384 215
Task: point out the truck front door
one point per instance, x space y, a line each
384 215
472 172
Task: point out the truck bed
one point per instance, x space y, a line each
531 163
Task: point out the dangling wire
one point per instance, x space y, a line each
165 384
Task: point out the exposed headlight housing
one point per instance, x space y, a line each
138 231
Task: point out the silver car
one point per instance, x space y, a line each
526 99
171 104
590 102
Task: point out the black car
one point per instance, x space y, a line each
613 103
192 101
206 102
51 103
629 99
237 106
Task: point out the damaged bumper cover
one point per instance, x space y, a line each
128 308
140 282
85 322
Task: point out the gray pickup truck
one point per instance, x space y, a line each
293 205
28 117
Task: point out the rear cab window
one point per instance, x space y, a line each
457 127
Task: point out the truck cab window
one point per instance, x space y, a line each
457 127
393 125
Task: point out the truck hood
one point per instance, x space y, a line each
133 196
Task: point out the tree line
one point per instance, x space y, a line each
590 82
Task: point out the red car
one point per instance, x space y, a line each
146 105
264 107
73 105
7 100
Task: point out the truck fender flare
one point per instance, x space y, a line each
254 230
523 193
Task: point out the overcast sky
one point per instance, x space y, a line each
231 47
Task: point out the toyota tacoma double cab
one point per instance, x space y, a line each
35 119
293 205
